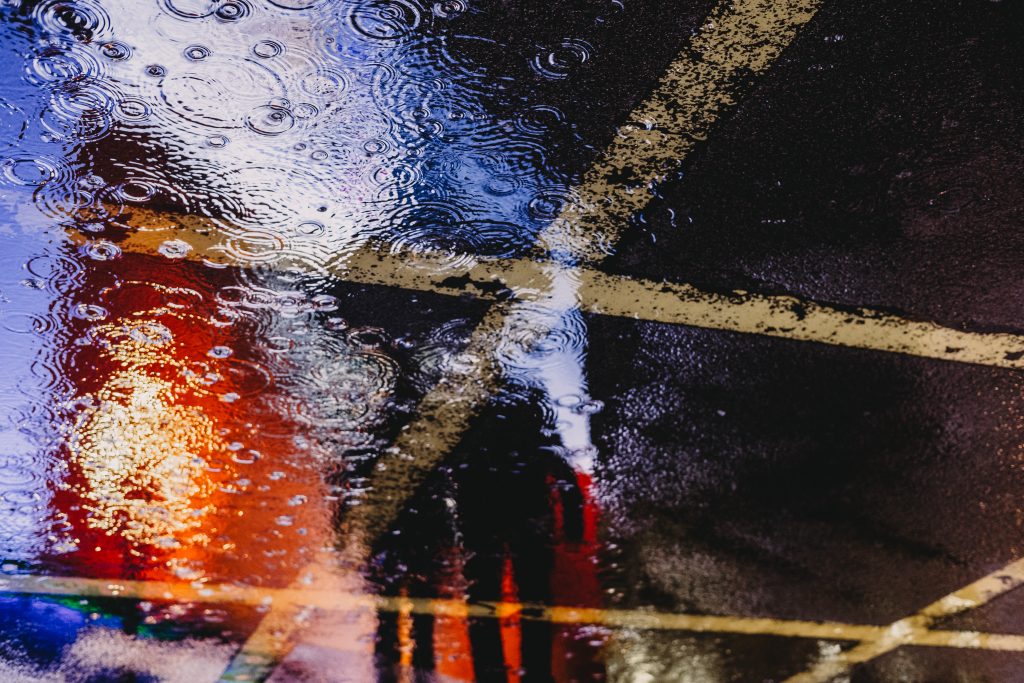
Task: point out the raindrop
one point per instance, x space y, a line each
116 51
311 229
546 206
559 62
569 400
190 9
267 49
174 249
248 457
588 407
102 250
368 337
131 109
232 11
197 52
305 111
279 344
81 112
376 146
501 186
136 191
149 332
61 63
385 20
450 9
270 120
28 171
322 84
295 4
89 312
83 19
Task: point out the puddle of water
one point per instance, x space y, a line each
204 411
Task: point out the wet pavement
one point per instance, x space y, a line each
384 340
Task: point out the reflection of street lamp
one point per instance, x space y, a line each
142 449
178 462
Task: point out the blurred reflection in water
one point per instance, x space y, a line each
179 463
183 414
503 520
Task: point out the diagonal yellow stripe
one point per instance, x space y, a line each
738 39
914 630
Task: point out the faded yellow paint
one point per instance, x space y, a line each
738 39
915 629
524 280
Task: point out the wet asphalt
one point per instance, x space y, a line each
876 164
873 166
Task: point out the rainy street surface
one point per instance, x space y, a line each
438 341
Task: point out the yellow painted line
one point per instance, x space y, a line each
442 419
273 638
264 649
289 613
279 629
788 317
915 629
738 39
294 601
443 416
600 293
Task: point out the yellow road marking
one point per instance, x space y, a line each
792 318
604 294
915 629
264 649
443 416
738 39
600 293
293 601
744 37
787 317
